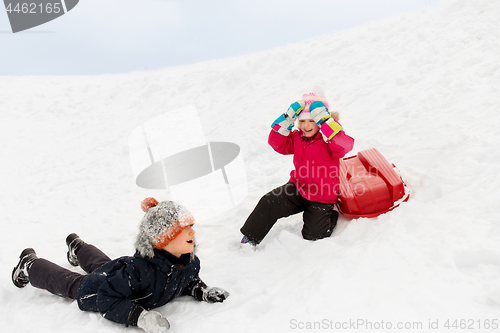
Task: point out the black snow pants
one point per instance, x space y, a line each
60 281
319 218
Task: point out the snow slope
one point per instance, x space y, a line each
422 88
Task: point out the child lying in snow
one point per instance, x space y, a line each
124 290
313 185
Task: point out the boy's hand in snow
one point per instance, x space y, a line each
153 322
285 122
202 292
214 295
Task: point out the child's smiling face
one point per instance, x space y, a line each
308 127
183 243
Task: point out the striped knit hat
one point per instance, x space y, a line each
308 99
162 223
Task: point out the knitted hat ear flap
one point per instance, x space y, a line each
193 255
144 245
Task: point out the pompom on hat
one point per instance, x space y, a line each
148 203
162 222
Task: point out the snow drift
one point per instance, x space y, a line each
422 88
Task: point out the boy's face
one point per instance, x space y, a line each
308 127
183 243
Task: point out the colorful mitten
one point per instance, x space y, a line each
327 125
285 122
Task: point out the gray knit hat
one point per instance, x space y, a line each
160 225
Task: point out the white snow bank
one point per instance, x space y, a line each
422 88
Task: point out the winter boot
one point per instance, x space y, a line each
247 243
74 243
20 275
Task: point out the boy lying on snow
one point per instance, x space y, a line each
124 290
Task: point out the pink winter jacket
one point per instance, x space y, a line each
316 162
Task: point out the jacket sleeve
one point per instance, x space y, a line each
114 297
282 144
195 288
341 144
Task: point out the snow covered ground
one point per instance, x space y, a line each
423 88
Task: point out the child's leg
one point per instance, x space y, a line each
46 275
280 202
319 220
91 258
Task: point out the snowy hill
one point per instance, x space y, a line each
422 88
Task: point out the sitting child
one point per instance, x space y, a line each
317 146
124 290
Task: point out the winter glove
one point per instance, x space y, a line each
153 322
285 122
327 125
202 292
214 295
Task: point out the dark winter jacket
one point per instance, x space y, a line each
122 288
316 162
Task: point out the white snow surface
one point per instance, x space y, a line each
423 88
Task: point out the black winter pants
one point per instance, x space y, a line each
60 281
319 218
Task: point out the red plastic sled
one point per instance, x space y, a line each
369 185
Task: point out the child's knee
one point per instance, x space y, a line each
317 234
320 229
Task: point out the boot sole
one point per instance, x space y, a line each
69 240
21 256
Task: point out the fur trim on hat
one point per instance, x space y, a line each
160 225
